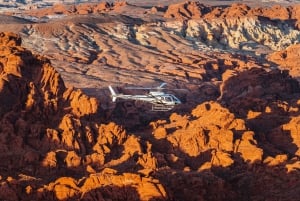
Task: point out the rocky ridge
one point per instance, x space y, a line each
237 26
57 144
169 40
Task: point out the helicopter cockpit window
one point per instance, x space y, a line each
168 99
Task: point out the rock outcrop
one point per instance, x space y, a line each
237 26
46 132
204 143
194 9
76 9
256 89
288 59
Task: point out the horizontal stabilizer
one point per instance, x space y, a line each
113 93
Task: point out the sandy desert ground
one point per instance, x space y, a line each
235 137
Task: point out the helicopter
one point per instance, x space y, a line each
160 101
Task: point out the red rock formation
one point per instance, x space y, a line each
255 89
91 8
43 128
286 138
214 142
186 10
274 12
55 144
79 9
196 10
288 59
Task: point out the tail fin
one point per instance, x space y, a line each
113 93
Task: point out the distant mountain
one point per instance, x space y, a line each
30 4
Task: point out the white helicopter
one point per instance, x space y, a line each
160 101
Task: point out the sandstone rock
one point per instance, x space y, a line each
196 138
237 26
102 6
247 147
65 188
295 15
80 9
72 159
286 137
146 188
221 116
70 127
132 146
10 39
278 160
50 160
95 159
186 10
248 96
160 133
287 59
148 162
221 159
235 10
111 135
277 12
293 166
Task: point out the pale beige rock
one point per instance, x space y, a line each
247 147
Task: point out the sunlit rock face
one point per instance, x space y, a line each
235 137
97 44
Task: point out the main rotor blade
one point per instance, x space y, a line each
149 88
178 89
159 88
142 88
162 85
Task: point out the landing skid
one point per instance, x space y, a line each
161 107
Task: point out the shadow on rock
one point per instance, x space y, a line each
268 101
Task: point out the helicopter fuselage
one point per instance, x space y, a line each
153 97
165 99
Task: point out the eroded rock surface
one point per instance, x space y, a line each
97 44
288 59
235 138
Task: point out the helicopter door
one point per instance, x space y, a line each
166 105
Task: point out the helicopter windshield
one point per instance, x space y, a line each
175 99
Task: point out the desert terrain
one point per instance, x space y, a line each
234 137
